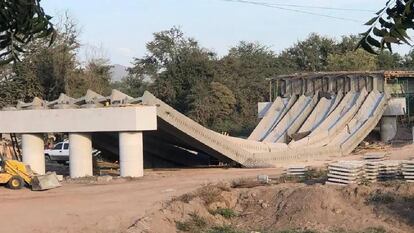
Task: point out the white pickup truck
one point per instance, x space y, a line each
60 152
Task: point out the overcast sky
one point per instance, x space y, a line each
121 28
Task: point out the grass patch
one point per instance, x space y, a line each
246 183
367 230
289 179
374 230
225 212
209 193
296 231
381 198
409 198
186 198
223 229
316 174
195 224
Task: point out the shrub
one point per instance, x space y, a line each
223 229
381 198
225 212
315 174
194 225
246 183
374 230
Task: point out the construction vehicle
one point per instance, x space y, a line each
16 174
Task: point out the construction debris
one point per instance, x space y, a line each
263 179
45 182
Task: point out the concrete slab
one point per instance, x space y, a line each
137 118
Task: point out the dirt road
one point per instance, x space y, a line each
110 207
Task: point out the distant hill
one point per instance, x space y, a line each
118 72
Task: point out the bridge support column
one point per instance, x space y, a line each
354 84
33 152
131 156
375 85
80 155
388 128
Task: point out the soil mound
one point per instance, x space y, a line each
385 207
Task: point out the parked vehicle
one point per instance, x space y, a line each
60 152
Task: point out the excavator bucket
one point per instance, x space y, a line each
44 182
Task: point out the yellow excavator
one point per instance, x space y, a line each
16 174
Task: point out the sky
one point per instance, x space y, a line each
120 29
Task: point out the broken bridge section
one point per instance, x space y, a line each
313 115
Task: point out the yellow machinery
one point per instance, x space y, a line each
16 174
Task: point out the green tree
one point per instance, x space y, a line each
46 71
212 105
408 60
352 61
95 75
245 70
310 54
53 66
174 64
15 86
21 21
389 61
131 85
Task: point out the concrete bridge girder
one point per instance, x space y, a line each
66 116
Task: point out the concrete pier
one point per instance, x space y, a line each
33 152
131 158
388 128
80 155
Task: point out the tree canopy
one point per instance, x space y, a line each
221 92
21 21
46 71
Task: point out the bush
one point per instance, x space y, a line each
209 194
316 174
381 198
225 212
374 230
223 229
296 231
195 224
186 198
246 183
289 179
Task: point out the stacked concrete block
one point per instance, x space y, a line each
371 171
373 162
408 170
345 172
389 170
296 170
375 157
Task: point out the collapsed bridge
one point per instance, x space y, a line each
312 115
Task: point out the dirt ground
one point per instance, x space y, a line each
387 207
109 207
115 205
